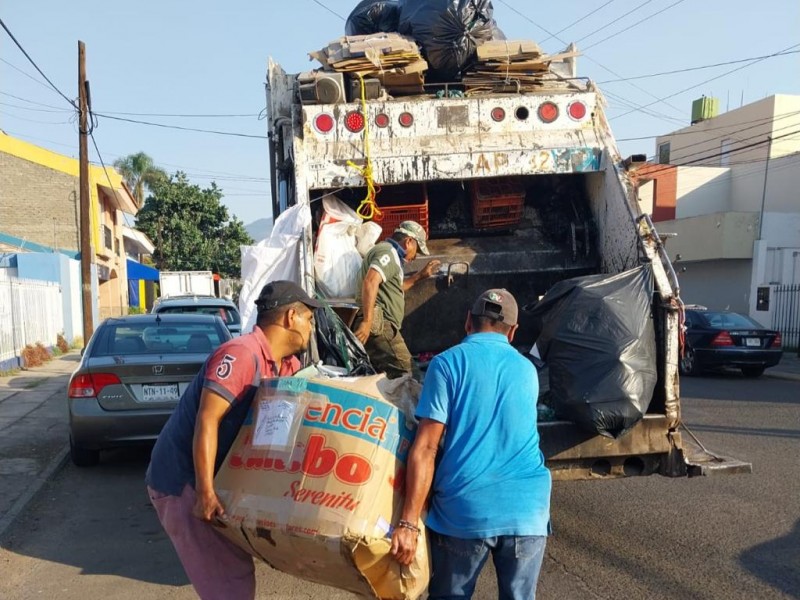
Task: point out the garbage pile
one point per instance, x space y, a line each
408 43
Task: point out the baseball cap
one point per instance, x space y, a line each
496 304
281 292
415 231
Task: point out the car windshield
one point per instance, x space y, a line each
229 315
148 338
730 321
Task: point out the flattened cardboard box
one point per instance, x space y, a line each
314 481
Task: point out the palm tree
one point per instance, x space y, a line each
139 172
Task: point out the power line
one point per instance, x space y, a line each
713 79
640 21
35 66
760 121
610 23
179 127
330 10
46 110
188 116
13 116
31 101
584 17
700 68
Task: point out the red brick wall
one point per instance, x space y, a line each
665 188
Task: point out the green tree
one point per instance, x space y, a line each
139 172
191 228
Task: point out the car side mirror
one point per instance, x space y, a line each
83 350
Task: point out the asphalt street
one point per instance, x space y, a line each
90 533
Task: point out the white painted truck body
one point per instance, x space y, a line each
183 283
455 140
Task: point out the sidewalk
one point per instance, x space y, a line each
788 368
34 432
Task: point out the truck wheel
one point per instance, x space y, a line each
752 371
688 363
83 457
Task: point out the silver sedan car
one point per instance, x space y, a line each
132 374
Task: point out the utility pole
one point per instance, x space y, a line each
764 192
87 257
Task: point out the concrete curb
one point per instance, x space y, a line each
37 484
782 375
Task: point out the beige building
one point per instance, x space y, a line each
729 187
39 208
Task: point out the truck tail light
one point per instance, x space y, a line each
89 385
323 123
577 110
722 339
406 119
498 114
548 112
382 120
777 342
354 121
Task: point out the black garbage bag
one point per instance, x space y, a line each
597 337
337 345
448 31
373 16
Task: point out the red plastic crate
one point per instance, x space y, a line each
393 213
497 202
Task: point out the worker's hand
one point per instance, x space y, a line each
404 545
362 332
430 269
207 507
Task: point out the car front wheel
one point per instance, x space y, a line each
752 371
688 363
83 457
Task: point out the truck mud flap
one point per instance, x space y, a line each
702 462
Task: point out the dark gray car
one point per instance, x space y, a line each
203 305
131 376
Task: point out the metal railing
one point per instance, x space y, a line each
30 311
786 313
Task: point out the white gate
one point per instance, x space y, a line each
31 311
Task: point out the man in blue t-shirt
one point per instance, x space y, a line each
490 489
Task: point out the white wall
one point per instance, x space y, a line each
702 190
646 198
717 284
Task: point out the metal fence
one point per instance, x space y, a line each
786 314
30 311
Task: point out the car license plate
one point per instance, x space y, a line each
752 342
160 393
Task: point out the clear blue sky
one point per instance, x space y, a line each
205 57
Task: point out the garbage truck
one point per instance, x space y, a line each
518 187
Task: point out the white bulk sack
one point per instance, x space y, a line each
336 259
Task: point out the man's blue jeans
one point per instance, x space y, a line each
456 564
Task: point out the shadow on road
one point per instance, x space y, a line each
100 521
784 550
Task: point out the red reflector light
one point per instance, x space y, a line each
87 386
548 112
406 119
382 120
323 123
354 121
723 338
498 114
577 110
777 342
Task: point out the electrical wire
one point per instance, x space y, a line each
181 128
186 116
35 66
688 69
626 14
639 22
691 87
44 110
571 25
330 10
32 101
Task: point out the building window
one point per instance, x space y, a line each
663 153
725 152
108 238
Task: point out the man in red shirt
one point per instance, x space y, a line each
198 435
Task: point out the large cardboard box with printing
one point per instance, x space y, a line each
315 478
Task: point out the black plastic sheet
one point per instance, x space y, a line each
373 16
448 31
337 345
596 335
